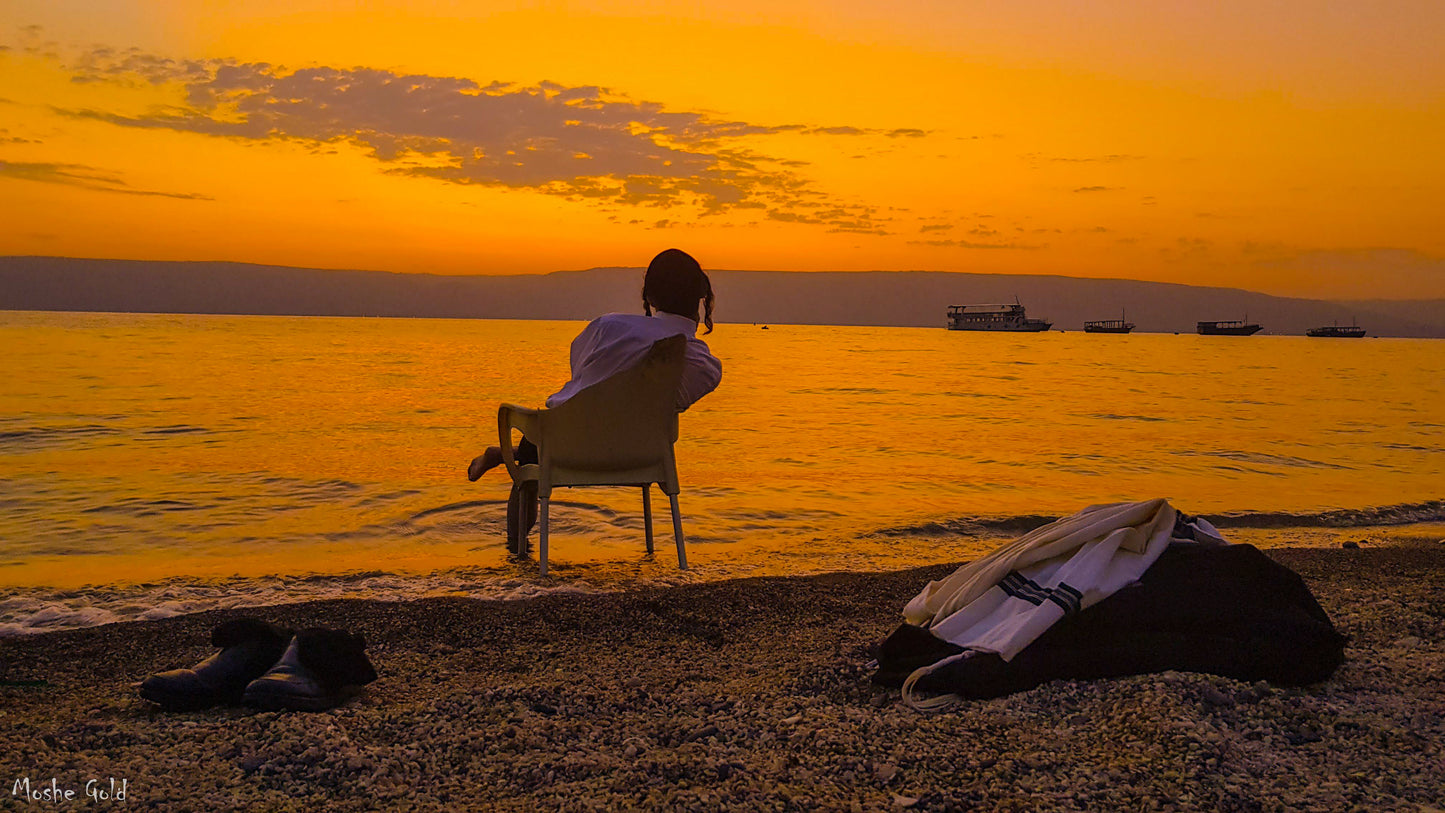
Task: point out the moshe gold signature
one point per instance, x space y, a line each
96 790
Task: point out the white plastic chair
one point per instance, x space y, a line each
618 432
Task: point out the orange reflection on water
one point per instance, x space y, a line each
146 447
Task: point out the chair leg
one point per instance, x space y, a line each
677 532
542 534
521 514
647 514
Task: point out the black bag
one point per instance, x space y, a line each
1223 610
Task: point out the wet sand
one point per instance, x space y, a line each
745 695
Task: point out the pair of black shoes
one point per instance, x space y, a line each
269 667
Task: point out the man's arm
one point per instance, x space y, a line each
584 345
583 348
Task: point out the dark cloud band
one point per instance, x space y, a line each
583 143
86 177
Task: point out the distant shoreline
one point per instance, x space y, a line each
875 298
583 320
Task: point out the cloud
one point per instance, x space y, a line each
578 142
1188 249
861 227
32 43
1116 158
6 138
794 217
85 177
839 219
969 244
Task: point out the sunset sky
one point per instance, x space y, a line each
1294 147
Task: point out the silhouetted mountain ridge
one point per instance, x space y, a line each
901 298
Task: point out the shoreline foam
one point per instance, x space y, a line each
29 610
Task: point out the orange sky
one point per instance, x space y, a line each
1290 147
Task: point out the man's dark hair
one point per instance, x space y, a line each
675 283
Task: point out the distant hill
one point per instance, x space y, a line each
903 298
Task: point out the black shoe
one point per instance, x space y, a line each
249 647
318 671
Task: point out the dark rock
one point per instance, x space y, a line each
702 733
1302 737
1215 697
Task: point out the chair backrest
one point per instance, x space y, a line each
628 421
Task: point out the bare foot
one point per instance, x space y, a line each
484 462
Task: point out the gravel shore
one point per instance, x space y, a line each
744 695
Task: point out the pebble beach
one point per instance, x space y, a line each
751 694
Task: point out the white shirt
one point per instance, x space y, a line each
617 341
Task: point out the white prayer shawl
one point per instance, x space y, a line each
1006 600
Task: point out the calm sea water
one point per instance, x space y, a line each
157 464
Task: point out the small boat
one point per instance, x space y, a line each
1337 331
1003 318
1109 325
1237 327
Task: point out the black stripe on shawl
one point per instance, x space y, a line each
1017 585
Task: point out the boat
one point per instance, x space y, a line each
1003 318
1109 325
1337 331
1237 327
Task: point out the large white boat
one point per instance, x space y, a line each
1004 318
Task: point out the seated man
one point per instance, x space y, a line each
676 287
